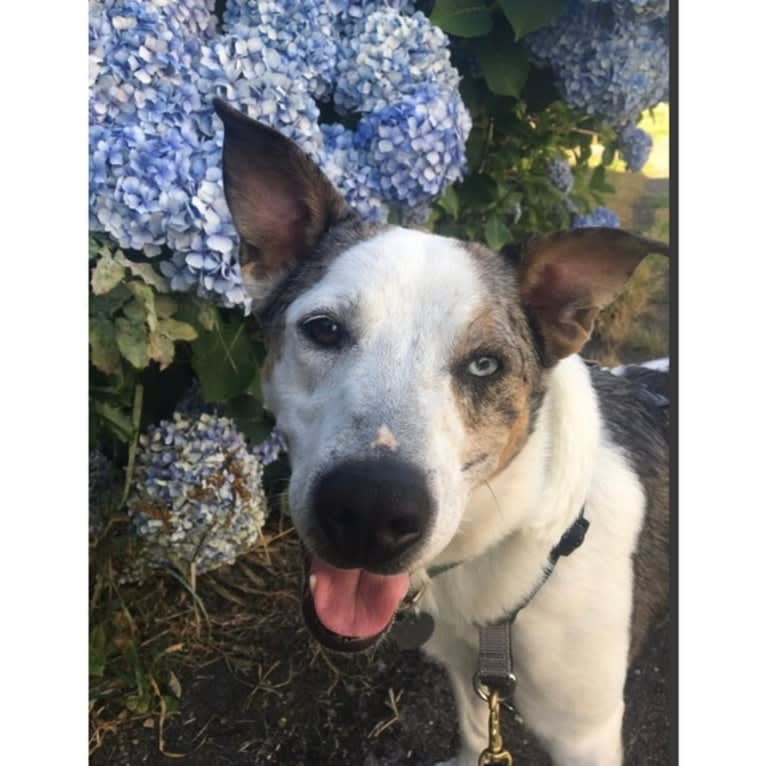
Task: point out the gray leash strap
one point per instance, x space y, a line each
495 658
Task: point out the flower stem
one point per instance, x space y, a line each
138 400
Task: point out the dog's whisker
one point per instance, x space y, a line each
494 497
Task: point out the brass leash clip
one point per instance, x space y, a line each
495 753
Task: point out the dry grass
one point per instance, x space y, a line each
165 628
141 633
634 327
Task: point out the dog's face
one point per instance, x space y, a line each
404 368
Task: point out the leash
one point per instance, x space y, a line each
495 681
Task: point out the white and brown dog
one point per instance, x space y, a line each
436 412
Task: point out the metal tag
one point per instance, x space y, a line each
412 630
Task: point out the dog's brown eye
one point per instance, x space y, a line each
483 366
323 330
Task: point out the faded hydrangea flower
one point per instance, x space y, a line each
198 497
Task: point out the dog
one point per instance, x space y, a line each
440 420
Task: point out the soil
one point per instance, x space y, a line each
270 695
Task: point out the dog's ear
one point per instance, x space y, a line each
565 279
280 200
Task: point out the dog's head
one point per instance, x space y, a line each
404 368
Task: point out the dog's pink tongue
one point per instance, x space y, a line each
355 603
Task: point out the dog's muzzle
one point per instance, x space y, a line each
370 518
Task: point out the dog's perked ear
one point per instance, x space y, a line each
280 200
566 278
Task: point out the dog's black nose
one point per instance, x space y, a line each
372 512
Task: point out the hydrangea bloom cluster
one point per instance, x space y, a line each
390 56
610 59
599 216
561 175
645 9
155 145
634 145
344 164
416 146
198 496
300 31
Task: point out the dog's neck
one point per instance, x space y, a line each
541 492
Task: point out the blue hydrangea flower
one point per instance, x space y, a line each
416 146
132 172
269 450
155 144
635 146
346 168
352 14
243 69
303 32
145 52
608 64
561 175
391 56
599 216
645 9
198 497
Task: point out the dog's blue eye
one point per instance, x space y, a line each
323 330
483 366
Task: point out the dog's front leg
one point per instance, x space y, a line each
571 736
459 658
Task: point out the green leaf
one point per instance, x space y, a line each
250 417
104 353
462 18
175 330
145 295
496 233
116 419
165 306
449 202
97 651
598 182
527 15
107 274
134 311
607 158
479 190
208 315
224 360
111 302
504 63
145 272
161 349
133 342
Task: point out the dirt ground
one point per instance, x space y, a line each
268 695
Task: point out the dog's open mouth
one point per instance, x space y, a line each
348 610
